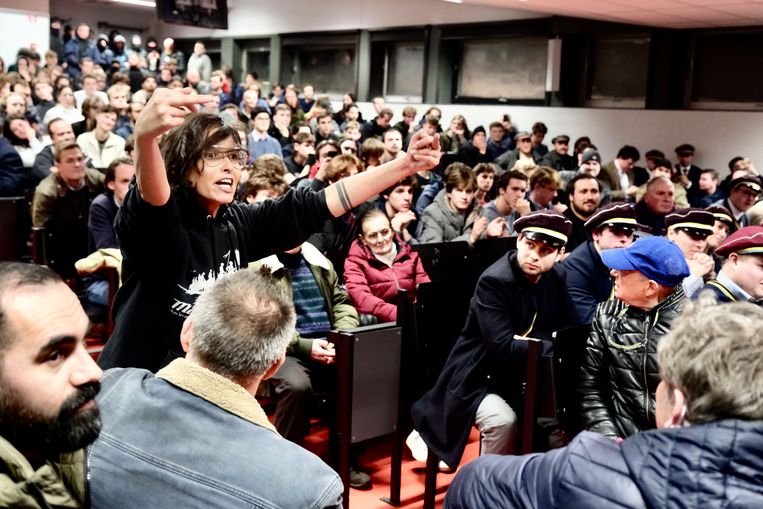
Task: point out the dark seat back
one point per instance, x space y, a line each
569 352
486 252
14 228
440 314
64 242
446 260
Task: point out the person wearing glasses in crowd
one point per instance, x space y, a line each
179 228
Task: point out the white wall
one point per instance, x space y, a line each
23 24
266 17
717 135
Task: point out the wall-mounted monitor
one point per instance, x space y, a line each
200 13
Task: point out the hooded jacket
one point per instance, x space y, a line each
373 285
174 251
708 466
619 375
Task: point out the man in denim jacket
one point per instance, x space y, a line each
193 435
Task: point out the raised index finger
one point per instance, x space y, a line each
183 97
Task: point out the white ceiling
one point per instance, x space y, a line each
656 13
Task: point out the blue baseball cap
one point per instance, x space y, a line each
655 257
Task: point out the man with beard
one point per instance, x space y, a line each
583 192
48 384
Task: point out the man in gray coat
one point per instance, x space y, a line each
454 213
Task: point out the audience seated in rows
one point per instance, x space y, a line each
160 213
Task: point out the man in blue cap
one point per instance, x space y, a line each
619 375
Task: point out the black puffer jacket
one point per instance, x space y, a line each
619 375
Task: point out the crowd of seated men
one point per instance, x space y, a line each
323 209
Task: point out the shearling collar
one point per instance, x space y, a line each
216 389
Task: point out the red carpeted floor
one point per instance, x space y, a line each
375 460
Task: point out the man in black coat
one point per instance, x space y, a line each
521 295
686 172
59 130
588 279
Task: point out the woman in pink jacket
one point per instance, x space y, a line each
378 265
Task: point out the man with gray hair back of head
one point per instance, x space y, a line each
707 454
240 330
194 434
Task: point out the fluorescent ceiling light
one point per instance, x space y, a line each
455 1
141 3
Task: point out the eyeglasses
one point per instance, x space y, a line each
331 153
524 140
238 158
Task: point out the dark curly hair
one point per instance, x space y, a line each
183 146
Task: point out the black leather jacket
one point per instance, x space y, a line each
619 375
